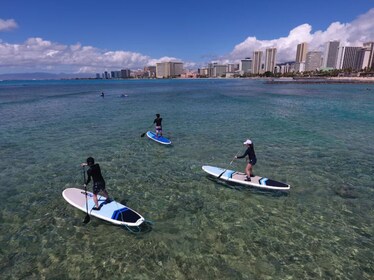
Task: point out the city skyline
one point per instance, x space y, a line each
74 37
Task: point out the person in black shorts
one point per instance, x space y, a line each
158 122
250 152
94 172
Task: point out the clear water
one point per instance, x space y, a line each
318 138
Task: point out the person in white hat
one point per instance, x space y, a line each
250 152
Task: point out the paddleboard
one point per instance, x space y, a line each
239 178
113 212
160 139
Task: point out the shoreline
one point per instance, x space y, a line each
330 80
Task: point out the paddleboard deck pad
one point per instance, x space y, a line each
239 178
160 139
111 211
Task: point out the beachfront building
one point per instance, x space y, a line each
169 69
232 67
270 56
219 70
283 68
125 73
301 52
347 57
150 71
245 66
313 61
330 55
203 72
257 62
369 48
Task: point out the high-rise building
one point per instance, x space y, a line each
125 73
245 66
313 61
232 67
169 69
270 56
219 70
347 57
301 51
330 56
256 63
369 47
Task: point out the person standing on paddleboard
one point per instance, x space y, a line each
94 172
158 122
250 152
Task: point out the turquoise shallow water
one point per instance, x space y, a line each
318 138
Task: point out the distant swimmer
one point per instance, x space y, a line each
124 95
102 94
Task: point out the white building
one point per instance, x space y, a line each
256 63
313 61
270 56
169 69
330 55
347 57
301 52
245 66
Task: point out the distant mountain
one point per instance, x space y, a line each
43 76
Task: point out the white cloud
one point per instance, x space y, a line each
8 24
37 54
350 34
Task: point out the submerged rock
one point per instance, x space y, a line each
346 192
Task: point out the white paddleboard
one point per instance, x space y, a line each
239 178
160 139
113 212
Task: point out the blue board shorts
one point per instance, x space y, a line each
158 129
98 186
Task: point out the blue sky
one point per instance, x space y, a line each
93 36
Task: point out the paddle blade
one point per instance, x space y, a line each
142 134
87 219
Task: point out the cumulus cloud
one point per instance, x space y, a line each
8 24
37 54
349 34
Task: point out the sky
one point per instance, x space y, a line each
84 36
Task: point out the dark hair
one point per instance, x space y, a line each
90 160
157 115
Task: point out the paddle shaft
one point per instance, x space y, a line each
229 165
145 132
87 218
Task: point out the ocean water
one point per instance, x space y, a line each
318 138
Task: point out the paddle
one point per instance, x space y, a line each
229 165
145 132
87 218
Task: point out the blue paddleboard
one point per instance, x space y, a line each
160 139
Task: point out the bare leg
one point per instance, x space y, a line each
105 194
248 170
95 200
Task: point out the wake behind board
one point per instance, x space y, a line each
239 178
160 139
113 212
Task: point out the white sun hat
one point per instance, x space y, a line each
247 142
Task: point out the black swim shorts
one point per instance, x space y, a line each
98 186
